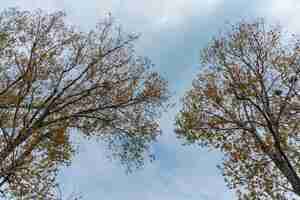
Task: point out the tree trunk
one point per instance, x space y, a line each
287 171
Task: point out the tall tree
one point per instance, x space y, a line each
56 82
246 103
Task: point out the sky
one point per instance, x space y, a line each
172 34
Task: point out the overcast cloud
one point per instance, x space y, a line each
173 32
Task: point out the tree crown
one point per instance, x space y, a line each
245 102
57 81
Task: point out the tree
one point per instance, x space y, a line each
246 103
57 81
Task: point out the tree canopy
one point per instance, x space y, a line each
245 102
57 81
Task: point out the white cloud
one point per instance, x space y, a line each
154 14
166 25
285 12
168 12
180 173
31 4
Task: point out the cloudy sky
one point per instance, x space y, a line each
172 33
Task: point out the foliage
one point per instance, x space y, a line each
56 82
245 103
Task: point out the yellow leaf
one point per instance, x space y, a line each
60 135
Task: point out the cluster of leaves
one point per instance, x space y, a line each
245 102
56 81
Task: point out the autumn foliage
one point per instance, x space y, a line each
57 81
245 102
